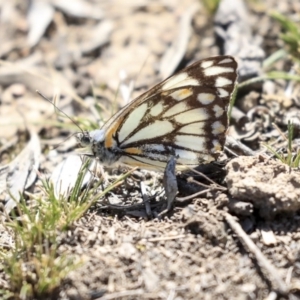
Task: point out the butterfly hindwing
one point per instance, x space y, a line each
184 116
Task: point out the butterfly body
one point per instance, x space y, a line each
184 116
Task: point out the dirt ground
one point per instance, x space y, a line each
242 242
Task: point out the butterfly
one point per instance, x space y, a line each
184 116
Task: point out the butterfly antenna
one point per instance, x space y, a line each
68 137
62 112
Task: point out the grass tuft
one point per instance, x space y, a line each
34 264
292 157
290 36
211 6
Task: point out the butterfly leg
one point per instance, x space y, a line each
170 182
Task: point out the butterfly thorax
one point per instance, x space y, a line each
93 144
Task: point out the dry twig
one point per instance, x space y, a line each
266 266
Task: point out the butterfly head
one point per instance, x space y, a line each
92 144
87 141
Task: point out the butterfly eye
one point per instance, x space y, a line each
83 138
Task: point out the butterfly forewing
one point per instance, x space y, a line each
184 116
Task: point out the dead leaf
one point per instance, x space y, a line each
21 172
79 8
39 16
65 175
175 53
